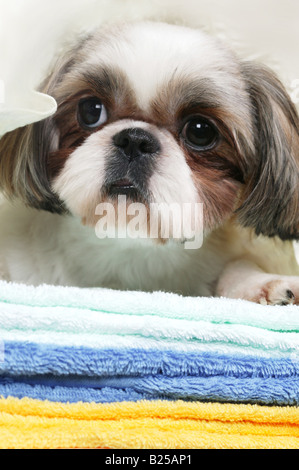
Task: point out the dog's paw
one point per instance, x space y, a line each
244 280
275 292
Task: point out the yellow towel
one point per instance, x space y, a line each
29 423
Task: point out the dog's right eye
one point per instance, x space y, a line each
91 113
200 134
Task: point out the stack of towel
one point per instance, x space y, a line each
102 368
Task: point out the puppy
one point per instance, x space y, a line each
152 113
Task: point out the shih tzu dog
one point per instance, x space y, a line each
152 113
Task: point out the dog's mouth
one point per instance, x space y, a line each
123 187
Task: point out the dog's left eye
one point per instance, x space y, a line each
91 113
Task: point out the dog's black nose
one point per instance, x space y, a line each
136 142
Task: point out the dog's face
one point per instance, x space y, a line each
140 114
161 114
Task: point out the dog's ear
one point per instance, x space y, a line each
24 154
23 165
270 202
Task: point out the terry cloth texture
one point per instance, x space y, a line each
30 423
103 368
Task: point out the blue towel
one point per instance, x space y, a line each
70 374
279 392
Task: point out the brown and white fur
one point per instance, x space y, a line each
156 78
